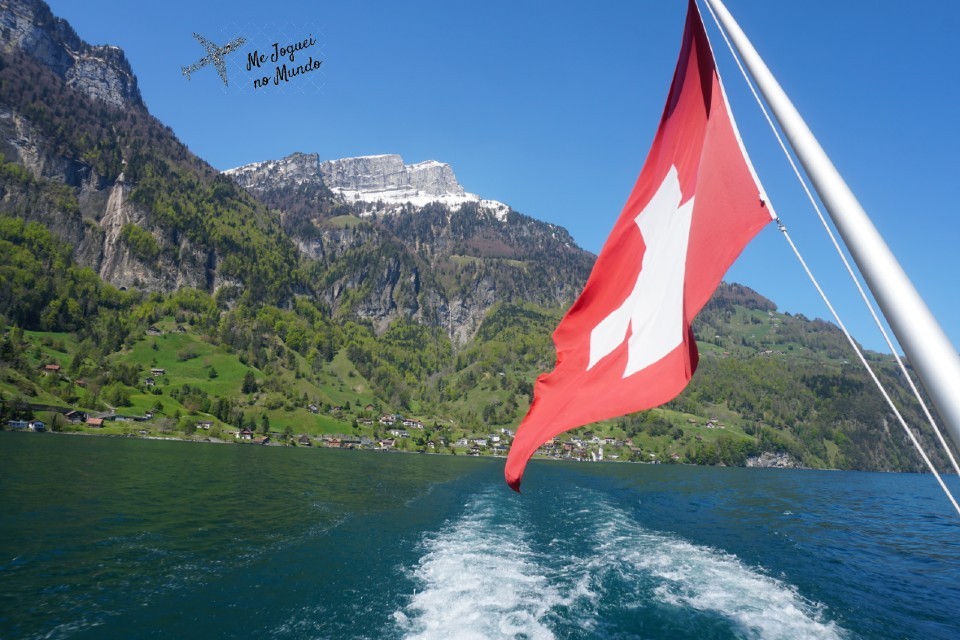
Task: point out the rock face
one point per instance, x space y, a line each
774 460
101 72
388 175
384 176
383 183
294 170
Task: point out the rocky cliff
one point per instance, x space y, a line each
389 177
100 72
292 171
381 183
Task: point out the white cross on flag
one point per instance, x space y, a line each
626 344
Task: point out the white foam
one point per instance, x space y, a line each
705 579
478 579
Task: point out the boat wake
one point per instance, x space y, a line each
490 574
479 578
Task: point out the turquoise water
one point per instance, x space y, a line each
118 538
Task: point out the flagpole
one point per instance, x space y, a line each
924 342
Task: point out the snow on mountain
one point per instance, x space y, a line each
383 181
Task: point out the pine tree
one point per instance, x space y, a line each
249 383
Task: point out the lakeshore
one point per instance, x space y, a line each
765 460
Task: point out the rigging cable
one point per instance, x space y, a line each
867 366
856 281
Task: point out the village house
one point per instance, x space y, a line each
75 417
95 422
387 444
332 443
203 424
18 425
399 433
153 331
245 434
261 440
149 382
312 408
416 424
51 368
156 371
304 441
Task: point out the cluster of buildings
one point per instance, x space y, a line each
585 449
27 425
75 417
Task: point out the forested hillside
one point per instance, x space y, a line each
768 382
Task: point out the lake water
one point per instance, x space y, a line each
122 538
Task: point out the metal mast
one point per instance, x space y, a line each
925 344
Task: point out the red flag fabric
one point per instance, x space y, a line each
626 343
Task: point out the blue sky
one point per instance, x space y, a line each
551 107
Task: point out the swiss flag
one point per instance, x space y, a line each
626 343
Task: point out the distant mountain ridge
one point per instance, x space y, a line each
390 240
379 179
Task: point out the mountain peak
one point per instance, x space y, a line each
387 174
101 72
376 179
296 169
